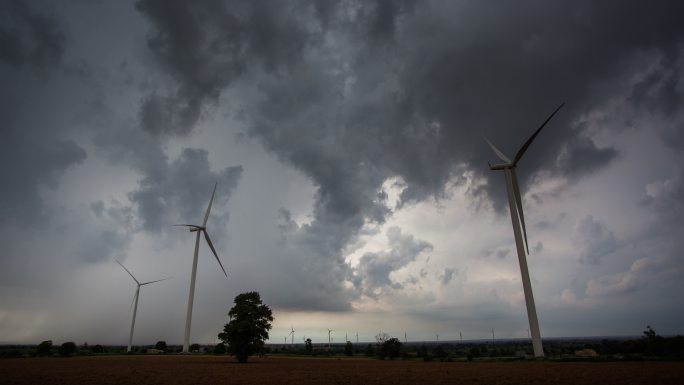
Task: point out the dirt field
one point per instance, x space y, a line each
174 369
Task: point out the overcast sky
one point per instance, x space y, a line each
346 138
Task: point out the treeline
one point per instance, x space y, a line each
649 347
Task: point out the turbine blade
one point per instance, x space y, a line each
498 152
206 215
213 250
522 150
129 273
147 283
192 227
518 204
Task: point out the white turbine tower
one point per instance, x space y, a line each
329 338
199 229
518 219
135 301
292 333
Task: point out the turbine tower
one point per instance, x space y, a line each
135 302
518 220
329 339
292 334
198 229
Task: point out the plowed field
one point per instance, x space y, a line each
178 369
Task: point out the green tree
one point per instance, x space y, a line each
44 348
67 349
161 345
248 326
308 345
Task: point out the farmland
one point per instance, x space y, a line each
189 369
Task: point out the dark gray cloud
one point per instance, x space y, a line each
28 36
354 93
30 165
204 46
169 192
580 155
35 149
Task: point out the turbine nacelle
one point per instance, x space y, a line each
501 166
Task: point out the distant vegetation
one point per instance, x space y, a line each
650 346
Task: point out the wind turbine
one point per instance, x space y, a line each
198 229
518 219
329 338
292 334
135 301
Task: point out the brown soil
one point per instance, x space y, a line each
178 369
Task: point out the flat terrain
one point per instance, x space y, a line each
176 369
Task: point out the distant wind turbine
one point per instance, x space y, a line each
199 229
135 301
518 219
329 338
292 334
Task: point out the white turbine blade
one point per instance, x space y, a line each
159 280
192 227
129 273
529 141
206 215
211 246
498 152
518 204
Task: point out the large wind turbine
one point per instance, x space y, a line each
135 301
199 229
518 219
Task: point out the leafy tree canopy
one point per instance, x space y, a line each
248 326
161 345
67 349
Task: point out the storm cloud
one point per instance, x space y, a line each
346 138
353 94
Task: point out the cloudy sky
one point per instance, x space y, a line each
346 138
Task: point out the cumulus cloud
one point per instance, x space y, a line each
641 271
372 274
